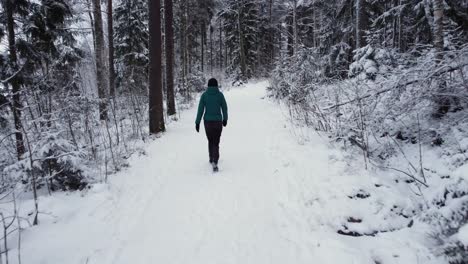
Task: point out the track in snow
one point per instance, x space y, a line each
273 202
170 208
191 215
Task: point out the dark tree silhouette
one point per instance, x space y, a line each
169 41
156 115
16 104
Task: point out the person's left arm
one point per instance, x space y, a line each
201 111
224 109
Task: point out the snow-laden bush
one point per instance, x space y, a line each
54 162
389 111
197 82
294 78
369 62
449 217
335 64
404 87
194 83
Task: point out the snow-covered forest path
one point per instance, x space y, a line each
168 207
177 211
274 201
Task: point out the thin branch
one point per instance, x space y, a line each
434 74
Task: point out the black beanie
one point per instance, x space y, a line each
212 83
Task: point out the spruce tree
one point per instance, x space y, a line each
12 73
242 31
131 41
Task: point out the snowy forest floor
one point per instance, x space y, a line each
275 200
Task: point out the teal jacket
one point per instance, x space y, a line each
212 106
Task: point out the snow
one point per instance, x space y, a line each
462 172
463 235
273 201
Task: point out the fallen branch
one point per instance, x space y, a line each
404 172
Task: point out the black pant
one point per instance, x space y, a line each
213 131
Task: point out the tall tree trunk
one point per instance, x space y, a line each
211 49
319 29
110 31
226 55
400 30
361 23
439 28
444 103
169 41
187 63
110 40
394 26
156 109
203 33
184 42
101 71
242 55
16 99
220 59
271 45
185 46
91 19
182 53
295 35
289 24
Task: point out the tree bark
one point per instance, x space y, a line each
110 30
169 41
220 59
16 103
101 72
361 23
295 40
203 33
444 103
271 45
400 29
211 49
156 110
290 37
439 28
242 55
91 19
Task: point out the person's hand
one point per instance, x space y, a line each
197 127
224 123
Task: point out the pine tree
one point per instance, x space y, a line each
14 80
156 114
101 69
361 23
169 44
110 40
241 36
439 28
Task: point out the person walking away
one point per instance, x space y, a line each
213 109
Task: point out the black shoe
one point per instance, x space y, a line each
215 166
